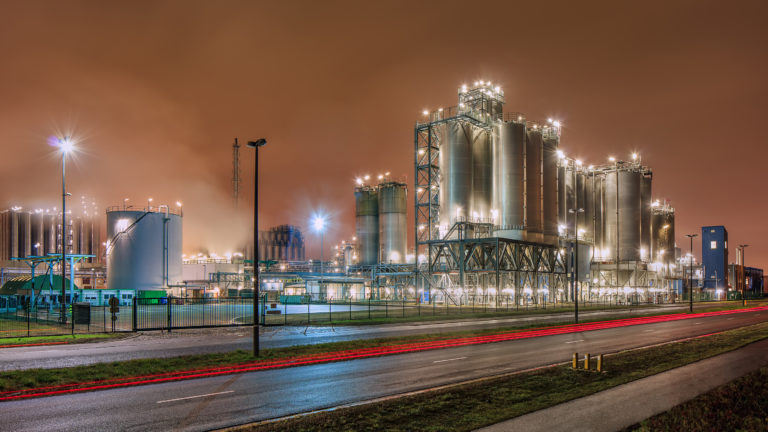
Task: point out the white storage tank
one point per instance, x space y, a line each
144 248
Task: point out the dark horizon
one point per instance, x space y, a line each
158 90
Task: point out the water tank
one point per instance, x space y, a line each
645 215
509 163
533 161
367 224
482 175
455 172
393 223
143 249
549 186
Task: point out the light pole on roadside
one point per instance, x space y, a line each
575 213
318 224
66 146
690 274
255 145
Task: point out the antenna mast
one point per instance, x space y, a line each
235 172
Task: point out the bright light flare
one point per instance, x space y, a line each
318 223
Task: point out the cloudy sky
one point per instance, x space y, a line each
156 91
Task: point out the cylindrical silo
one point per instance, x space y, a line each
509 160
645 215
549 187
143 250
662 235
482 175
533 162
588 204
610 216
670 221
50 230
24 235
37 233
570 199
455 172
367 224
629 215
581 202
598 189
392 222
562 206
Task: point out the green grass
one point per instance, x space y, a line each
77 338
738 405
478 404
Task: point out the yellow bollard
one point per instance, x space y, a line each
586 361
600 363
575 360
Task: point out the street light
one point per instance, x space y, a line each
575 213
66 145
255 145
743 282
690 274
318 224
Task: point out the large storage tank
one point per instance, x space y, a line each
645 216
143 249
570 199
533 162
367 224
37 233
509 157
662 235
392 222
50 233
24 234
455 172
482 175
549 185
588 204
629 215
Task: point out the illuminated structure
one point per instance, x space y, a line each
500 209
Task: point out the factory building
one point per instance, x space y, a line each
749 280
281 243
714 257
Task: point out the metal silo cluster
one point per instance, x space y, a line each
381 223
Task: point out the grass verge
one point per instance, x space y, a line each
738 405
78 338
470 406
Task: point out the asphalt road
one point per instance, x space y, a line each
216 402
223 340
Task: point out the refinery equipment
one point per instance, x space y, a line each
144 248
367 223
500 209
38 233
392 222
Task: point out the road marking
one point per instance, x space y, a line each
730 319
580 340
696 323
447 360
648 331
195 397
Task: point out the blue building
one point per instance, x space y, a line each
714 256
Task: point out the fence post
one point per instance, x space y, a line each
330 314
386 309
369 308
104 315
168 300
350 308
309 301
134 313
285 314
28 308
403 307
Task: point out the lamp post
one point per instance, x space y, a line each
575 213
690 274
743 281
255 145
65 145
318 223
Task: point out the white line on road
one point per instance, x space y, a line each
696 323
580 340
195 397
447 360
648 331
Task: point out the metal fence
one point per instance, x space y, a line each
171 313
